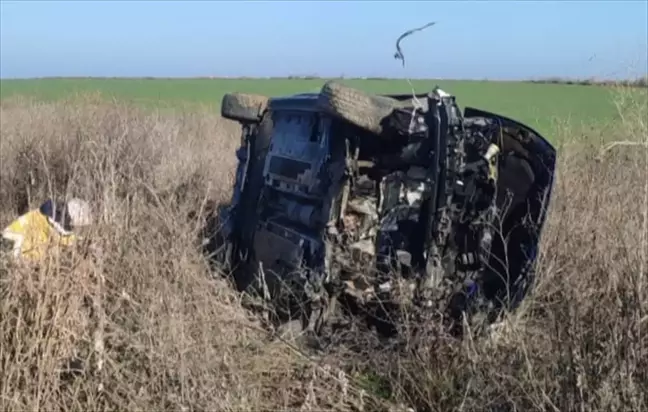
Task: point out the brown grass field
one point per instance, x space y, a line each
156 331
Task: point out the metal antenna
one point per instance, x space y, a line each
400 56
399 53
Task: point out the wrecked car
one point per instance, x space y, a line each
343 194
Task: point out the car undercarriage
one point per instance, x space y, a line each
347 196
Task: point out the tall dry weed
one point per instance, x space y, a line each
141 323
579 342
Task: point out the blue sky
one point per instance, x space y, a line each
486 39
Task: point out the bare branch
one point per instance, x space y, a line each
612 145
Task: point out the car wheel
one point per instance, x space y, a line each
243 107
355 106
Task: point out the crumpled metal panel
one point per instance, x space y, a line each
294 166
271 248
402 195
276 241
298 152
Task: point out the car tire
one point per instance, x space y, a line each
244 107
355 106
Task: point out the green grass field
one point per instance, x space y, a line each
546 107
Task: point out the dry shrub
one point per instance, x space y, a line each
140 323
579 342
152 329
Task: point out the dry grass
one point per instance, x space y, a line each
174 337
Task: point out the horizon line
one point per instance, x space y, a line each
593 79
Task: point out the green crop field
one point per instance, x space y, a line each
546 107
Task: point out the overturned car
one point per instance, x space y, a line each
346 196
